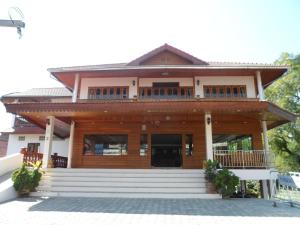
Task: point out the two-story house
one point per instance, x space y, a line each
166 108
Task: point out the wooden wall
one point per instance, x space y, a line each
133 130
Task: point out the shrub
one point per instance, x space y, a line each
26 180
226 182
211 167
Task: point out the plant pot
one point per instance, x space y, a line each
24 193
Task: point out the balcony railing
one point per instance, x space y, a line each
33 157
241 158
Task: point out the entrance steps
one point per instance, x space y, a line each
125 183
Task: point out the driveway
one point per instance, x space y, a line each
108 211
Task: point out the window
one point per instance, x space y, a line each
21 138
189 145
106 144
33 147
107 92
41 138
166 92
143 144
224 91
232 142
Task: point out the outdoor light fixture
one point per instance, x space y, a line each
198 82
133 82
48 121
208 120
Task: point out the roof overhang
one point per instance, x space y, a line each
64 112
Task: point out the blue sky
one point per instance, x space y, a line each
65 33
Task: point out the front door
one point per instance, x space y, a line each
166 150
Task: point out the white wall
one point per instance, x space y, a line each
184 82
107 82
14 145
228 80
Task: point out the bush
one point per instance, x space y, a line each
226 182
26 180
211 167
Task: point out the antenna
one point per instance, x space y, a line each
18 23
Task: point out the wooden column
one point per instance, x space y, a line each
208 136
48 141
71 140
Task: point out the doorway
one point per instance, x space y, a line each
166 150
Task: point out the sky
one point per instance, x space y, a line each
71 33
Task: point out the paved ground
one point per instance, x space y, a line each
113 211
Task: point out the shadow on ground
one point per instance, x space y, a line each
235 207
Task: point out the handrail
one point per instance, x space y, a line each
241 158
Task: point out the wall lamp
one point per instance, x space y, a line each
208 120
133 82
198 82
48 121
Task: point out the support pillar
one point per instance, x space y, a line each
259 86
48 141
265 189
208 136
266 142
71 140
75 89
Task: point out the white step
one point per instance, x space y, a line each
122 184
123 179
87 174
126 195
121 189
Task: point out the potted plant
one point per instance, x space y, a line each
226 182
27 179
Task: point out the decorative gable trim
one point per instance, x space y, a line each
194 61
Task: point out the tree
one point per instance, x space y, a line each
285 92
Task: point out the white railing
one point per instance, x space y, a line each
241 158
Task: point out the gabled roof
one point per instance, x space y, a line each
42 92
169 48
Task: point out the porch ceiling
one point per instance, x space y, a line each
138 110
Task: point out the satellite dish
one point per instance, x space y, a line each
16 20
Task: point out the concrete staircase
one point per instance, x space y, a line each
125 183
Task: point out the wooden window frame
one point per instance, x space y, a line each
92 92
147 90
240 94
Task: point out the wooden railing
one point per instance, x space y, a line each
33 157
241 158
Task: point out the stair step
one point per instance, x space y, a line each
127 195
121 189
122 184
123 179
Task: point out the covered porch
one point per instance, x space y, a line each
202 121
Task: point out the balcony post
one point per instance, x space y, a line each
259 86
48 141
75 89
208 136
71 140
266 141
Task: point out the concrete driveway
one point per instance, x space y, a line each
85 211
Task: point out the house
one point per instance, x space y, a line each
166 108
28 135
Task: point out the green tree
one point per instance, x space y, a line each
285 92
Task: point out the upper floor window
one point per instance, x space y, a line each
108 92
218 91
166 92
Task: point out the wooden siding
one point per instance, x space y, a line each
166 58
133 130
